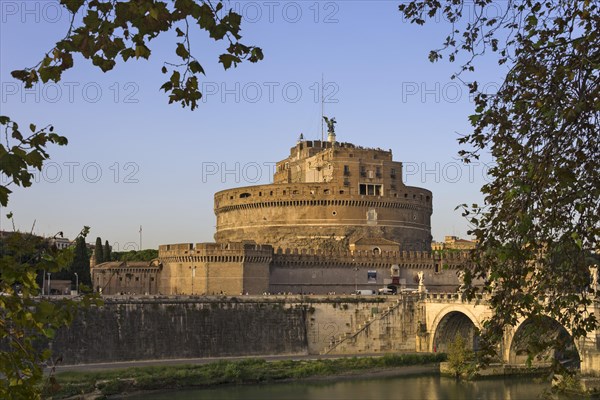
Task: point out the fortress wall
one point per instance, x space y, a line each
256 278
321 272
178 328
228 278
319 280
214 268
312 215
299 271
338 317
262 195
146 329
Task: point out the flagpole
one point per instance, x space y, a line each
322 108
140 238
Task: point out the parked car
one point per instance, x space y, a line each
365 292
388 290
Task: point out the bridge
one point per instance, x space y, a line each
446 315
440 317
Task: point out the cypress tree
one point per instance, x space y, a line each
99 251
107 255
81 262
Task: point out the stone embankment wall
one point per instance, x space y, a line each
390 327
141 328
146 329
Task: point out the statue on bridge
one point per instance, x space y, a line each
594 276
461 279
420 275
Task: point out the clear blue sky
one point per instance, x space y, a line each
155 159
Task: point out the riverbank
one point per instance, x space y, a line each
109 384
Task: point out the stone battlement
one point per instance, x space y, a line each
404 259
210 251
318 194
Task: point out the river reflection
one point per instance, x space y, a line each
421 387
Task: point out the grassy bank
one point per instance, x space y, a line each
221 372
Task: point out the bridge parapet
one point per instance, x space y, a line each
452 297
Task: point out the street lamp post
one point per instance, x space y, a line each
49 291
76 283
59 233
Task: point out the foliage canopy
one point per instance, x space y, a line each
104 32
539 226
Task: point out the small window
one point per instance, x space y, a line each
245 195
346 170
341 192
137 278
363 189
326 191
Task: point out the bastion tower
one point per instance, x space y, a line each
331 196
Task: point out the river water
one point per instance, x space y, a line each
428 387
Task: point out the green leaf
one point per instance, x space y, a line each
182 51
4 192
227 60
72 5
142 51
195 67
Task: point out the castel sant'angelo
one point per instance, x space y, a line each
336 218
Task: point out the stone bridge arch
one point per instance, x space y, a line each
515 346
452 320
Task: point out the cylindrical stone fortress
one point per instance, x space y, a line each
328 195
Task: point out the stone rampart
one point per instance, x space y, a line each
173 328
322 215
145 328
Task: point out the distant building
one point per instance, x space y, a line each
60 242
454 243
57 287
132 277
